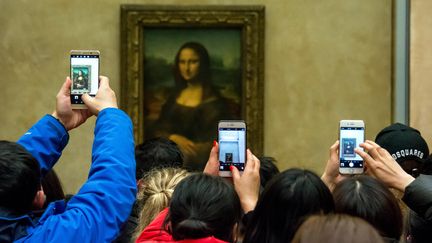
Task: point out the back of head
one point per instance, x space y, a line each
369 199
268 169
406 145
203 205
156 153
336 228
288 198
155 193
19 177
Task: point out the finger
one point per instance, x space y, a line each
212 166
235 173
103 82
87 98
366 157
334 146
334 151
366 146
250 162
361 152
375 145
216 145
384 153
65 89
214 152
257 163
372 149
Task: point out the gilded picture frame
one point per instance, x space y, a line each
150 33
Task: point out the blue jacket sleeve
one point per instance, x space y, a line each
104 202
45 141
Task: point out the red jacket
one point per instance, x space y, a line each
154 233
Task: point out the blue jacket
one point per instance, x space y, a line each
104 202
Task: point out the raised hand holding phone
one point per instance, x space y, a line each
247 185
384 167
331 175
64 113
105 98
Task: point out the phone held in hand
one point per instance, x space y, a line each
84 73
351 135
232 146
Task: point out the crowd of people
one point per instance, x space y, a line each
142 194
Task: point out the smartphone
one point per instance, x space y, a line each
232 146
84 73
351 135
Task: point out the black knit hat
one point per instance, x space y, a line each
403 143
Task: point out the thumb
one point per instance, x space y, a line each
235 173
86 98
65 89
214 152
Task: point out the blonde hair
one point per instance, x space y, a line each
155 194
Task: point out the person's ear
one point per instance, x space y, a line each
39 200
139 184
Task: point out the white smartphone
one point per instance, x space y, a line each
351 135
84 73
232 146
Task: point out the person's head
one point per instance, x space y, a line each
406 145
268 169
19 177
52 187
192 64
203 205
155 193
336 228
156 153
286 200
371 200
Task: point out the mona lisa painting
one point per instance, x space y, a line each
183 77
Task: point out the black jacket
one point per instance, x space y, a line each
418 197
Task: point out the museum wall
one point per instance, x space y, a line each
420 68
324 61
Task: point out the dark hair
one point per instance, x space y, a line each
288 198
203 205
268 169
19 177
367 198
52 187
204 74
156 153
336 228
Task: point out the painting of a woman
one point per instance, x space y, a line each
191 112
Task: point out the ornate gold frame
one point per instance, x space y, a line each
249 19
